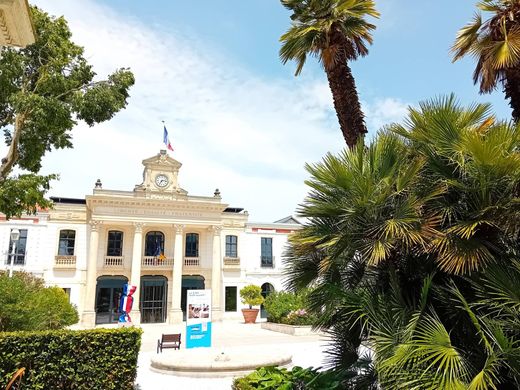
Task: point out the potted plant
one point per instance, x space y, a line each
252 296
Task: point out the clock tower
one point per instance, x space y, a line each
160 174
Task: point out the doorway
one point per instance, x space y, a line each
108 293
189 282
267 288
154 290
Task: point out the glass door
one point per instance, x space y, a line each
153 299
108 293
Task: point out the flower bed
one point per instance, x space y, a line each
294 330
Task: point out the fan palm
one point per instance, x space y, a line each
495 43
430 205
335 31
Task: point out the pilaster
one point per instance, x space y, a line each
175 315
216 274
89 310
135 274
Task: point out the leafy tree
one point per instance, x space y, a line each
26 304
45 89
495 43
412 247
251 295
335 31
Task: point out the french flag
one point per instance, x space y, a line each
166 140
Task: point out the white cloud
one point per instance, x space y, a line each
248 136
384 111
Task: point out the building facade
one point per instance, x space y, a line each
16 27
156 237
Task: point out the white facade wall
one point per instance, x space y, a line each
135 213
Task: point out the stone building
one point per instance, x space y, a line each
157 237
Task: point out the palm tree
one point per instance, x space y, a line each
412 249
335 31
495 43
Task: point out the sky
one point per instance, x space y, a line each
238 119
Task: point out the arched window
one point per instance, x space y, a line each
115 243
154 244
231 246
267 288
66 244
192 245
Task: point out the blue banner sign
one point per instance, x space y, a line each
198 318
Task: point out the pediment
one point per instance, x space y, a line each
160 174
162 159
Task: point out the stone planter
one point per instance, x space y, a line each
250 315
294 330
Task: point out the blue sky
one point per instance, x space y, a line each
239 120
409 59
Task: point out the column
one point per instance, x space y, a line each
175 315
89 310
216 274
135 274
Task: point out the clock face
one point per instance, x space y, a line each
161 181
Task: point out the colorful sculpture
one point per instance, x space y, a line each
125 303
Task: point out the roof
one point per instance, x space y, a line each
233 210
58 199
290 220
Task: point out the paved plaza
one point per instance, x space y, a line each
306 351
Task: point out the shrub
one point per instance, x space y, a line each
279 304
283 379
288 308
26 304
251 295
73 360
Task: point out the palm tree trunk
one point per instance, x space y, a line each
512 91
346 102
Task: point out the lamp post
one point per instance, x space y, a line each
15 236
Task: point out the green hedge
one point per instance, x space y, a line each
67 359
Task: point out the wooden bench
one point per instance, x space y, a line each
169 341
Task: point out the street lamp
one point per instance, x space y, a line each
15 236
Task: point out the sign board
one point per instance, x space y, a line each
198 318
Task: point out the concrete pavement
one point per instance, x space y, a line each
306 351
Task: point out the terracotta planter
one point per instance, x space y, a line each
250 315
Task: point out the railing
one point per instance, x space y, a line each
191 261
155 262
267 261
231 262
65 261
117 262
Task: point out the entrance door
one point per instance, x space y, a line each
192 282
267 288
154 290
108 292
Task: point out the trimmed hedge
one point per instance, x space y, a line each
72 359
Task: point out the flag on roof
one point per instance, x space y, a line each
166 140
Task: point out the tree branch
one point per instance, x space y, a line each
12 154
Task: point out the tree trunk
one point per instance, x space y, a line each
346 102
12 153
512 91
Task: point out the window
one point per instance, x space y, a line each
154 244
19 249
66 245
192 245
66 290
231 298
115 243
231 246
266 244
